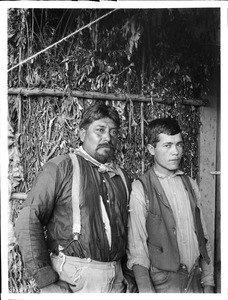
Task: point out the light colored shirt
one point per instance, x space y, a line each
177 196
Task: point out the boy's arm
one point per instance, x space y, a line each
138 255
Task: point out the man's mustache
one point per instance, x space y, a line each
104 145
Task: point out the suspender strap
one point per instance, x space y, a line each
76 194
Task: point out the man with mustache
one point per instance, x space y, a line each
169 250
81 200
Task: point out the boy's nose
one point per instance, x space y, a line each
175 150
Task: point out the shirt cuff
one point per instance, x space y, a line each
45 276
139 261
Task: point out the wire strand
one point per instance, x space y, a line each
63 39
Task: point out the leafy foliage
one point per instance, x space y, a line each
167 53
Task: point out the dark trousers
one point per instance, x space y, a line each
181 281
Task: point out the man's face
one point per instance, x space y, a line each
167 153
100 139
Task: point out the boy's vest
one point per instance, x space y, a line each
160 223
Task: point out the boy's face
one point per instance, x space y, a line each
167 153
100 139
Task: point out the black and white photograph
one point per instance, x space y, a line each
111 149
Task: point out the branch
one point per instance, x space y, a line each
101 96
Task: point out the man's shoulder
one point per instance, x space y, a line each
60 161
121 169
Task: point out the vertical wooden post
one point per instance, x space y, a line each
130 106
142 113
19 112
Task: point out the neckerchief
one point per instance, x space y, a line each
110 167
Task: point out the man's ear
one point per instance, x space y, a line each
150 148
82 133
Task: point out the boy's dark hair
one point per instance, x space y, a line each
96 112
167 126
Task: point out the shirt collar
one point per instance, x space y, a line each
160 175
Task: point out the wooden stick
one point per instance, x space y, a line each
142 112
101 96
19 196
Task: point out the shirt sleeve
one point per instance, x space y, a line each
138 253
30 224
207 269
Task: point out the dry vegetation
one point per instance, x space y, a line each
96 60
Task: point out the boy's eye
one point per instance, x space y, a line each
180 145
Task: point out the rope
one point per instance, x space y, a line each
63 39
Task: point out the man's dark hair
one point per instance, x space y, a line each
167 126
96 112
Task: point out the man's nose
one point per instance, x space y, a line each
107 136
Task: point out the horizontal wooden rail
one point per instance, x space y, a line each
100 96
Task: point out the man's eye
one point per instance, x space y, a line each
114 132
167 146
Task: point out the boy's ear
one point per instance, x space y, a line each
82 133
150 148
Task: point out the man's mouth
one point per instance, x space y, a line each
108 146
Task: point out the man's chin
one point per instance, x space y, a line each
104 156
